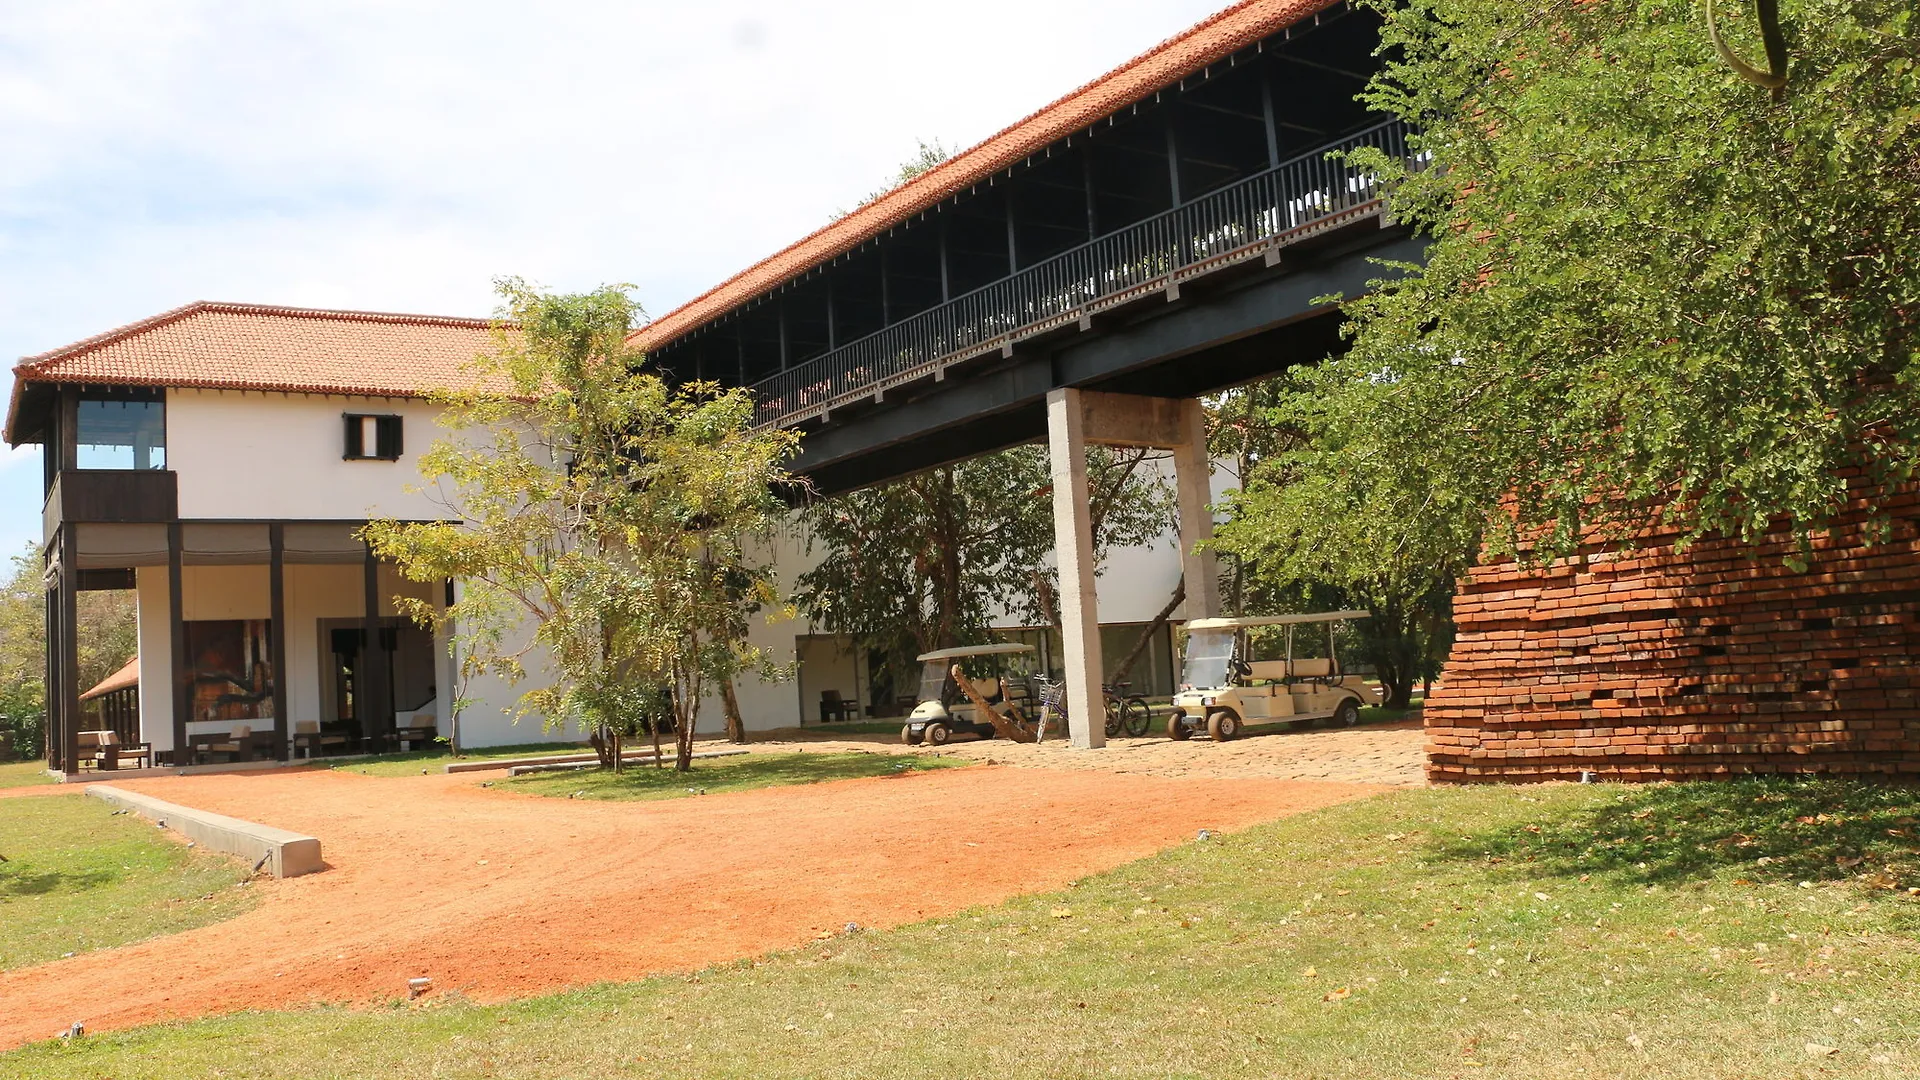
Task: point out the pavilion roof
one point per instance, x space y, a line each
1212 40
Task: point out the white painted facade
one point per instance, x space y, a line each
254 456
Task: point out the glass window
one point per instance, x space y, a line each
120 434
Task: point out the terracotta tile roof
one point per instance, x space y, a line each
120 680
261 347
1218 37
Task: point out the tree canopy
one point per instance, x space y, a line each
605 523
108 637
1655 293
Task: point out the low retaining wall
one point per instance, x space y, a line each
1717 661
285 854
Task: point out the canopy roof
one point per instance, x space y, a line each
124 679
1212 40
1276 620
975 650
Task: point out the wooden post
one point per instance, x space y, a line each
370 693
1173 154
177 636
277 628
946 283
1266 114
67 690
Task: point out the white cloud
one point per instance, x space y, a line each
399 156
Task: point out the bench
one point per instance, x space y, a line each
103 750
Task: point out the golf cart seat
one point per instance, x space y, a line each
1267 670
1320 668
988 688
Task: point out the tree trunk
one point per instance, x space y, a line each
736 727
1160 620
618 764
598 740
1006 728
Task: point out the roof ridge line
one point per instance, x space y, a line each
154 322
911 197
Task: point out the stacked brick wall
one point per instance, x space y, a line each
1720 660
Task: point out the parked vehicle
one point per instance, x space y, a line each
944 709
1223 689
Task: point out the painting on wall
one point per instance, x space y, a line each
231 661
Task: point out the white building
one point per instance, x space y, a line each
219 459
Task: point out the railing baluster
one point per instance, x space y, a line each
1236 218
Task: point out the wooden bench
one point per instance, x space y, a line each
103 750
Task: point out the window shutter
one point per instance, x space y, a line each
389 437
354 447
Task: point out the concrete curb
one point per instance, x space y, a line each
283 854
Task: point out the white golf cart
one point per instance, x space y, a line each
1223 690
944 708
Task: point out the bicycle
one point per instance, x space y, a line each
1125 712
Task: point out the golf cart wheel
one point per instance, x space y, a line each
1177 727
1346 714
1223 726
936 735
906 735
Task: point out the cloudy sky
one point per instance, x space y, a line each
399 156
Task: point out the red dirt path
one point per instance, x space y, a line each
502 895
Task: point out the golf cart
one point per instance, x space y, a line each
1223 690
944 708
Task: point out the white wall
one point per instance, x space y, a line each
256 456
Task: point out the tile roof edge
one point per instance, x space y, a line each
154 322
936 184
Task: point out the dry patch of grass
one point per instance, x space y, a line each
1734 930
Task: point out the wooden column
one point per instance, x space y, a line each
68 689
277 629
370 689
946 284
182 678
1266 113
1086 182
782 311
1013 250
1173 154
53 739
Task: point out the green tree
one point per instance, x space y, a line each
108 637
925 562
1319 524
614 515
1655 294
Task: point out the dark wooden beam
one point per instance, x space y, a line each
180 677
1173 154
1267 115
370 692
277 588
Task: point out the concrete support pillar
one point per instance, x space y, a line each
1073 552
1193 468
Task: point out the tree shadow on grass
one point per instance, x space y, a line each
16 883
1765 829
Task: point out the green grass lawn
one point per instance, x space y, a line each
24 774
1751 929
713 776
413 763
77 877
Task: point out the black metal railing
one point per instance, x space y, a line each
1270 209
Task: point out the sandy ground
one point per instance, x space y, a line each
499 895
1389 754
